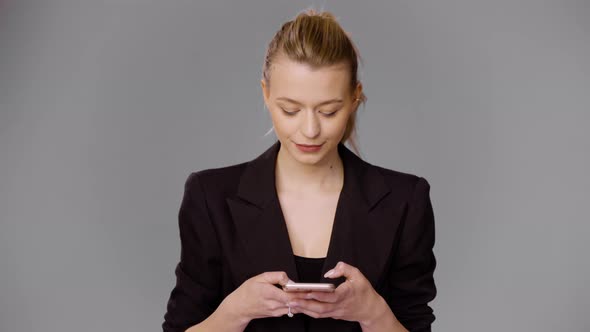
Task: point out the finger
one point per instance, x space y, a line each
331 314
344 289
313 308
293 296
273 305
343 270
274 277
330 297
277 294
281 311
272 308
306 312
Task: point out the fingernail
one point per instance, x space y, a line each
292 304
329 273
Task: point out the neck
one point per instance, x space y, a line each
293 176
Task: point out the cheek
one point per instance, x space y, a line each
281 124
338 124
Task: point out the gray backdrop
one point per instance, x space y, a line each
107 106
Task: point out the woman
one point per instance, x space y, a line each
308 210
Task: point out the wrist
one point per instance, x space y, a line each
381 317
377 310
229 311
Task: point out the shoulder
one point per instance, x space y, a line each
219 179
404 184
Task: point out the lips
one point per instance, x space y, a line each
310 145
308 148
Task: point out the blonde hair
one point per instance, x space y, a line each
317 39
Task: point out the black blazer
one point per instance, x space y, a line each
232 228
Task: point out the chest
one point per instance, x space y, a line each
309 221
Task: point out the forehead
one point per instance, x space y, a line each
302 82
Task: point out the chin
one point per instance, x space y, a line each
308 160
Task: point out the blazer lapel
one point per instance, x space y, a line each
363 230
258 218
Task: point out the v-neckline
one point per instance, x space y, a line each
335 223
260 223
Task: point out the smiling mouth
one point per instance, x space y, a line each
310 146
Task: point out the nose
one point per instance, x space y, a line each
311 125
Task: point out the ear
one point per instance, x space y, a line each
265 91
358 90
356 95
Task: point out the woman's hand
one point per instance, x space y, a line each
258 297
353 300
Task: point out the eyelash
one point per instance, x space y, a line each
295 112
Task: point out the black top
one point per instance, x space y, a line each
309 270
225 212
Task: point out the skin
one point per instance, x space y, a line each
309 184
310 123
302 179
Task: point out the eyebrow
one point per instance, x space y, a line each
331 101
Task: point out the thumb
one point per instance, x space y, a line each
340 270
275 277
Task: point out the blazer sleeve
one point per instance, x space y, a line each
198 273
411 279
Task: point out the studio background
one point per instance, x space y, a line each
107 106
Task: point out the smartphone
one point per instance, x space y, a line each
292 286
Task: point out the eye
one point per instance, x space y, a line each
330 114
289 113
